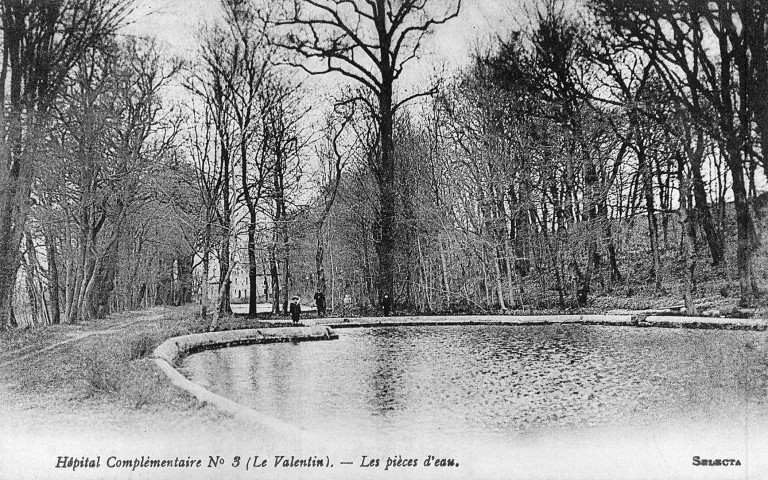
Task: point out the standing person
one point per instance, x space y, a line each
347 304
320 302
295 309
386 303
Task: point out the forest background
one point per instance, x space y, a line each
599 154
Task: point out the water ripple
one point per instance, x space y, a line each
502 381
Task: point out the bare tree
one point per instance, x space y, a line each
242 57
42 41
370 42
706 81
107 136
210 83
283 144
333 158
201 143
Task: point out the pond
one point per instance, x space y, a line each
497 382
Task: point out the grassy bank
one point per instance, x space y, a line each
100 375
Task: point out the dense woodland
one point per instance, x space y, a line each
603 149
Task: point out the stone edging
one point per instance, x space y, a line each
428 320
760 324
167 355
618 320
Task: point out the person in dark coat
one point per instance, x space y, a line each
295 309
386 304
320 302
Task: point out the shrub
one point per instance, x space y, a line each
103 371
140 347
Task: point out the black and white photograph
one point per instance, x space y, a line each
384 239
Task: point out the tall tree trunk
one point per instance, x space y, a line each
320 283
225 262
686 239
53 279
250 203
557 263
745 230
184 264
83 309
72 294
616 275
274 274
38 310
217 312
714 241
444 275
424 277
253 273
370 290
105 280
204 296
650 207
225 279
584 281
164 290
286 275
734 143
386 190
88 306
497 277
696 159
16 166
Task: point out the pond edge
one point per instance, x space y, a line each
168 354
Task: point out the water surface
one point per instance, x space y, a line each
497 381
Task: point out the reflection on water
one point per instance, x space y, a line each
495 380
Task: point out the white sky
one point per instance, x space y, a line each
176 22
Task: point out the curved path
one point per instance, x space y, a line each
34 350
